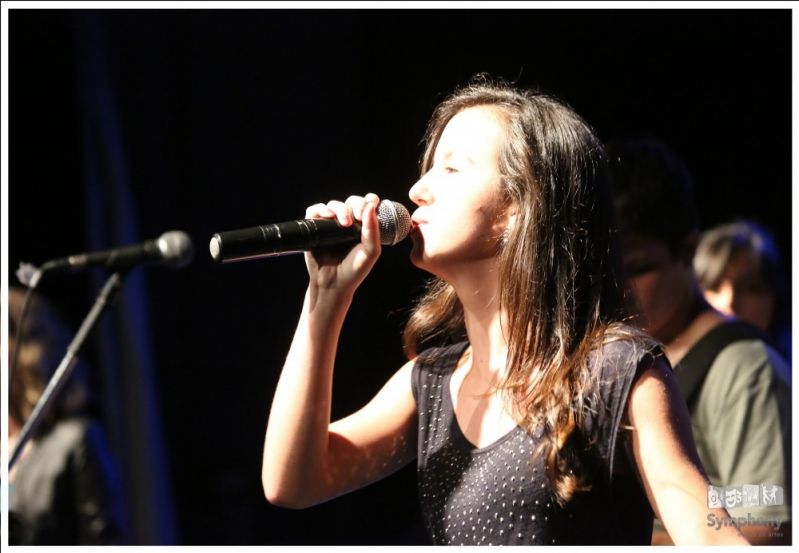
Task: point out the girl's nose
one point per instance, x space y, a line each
420 192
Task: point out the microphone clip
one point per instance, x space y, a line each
29 275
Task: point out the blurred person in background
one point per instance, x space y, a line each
730 377
64 489
742 274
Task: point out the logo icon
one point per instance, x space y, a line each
772 495
733 497
715 497
751 495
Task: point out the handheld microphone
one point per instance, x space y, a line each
305 234
173 249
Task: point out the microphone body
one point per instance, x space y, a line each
280 239
172 248
305 234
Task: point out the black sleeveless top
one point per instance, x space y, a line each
500 494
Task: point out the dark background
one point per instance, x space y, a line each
210 120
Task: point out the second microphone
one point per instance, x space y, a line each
305 234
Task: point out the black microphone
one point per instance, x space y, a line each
305 234
173 249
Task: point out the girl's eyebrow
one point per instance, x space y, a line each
447 155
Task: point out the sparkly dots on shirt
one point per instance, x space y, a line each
475 496
500 494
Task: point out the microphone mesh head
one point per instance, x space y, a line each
176 248
395 222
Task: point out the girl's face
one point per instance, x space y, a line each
462 212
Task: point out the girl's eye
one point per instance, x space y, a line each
450 170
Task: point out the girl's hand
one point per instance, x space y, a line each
342 269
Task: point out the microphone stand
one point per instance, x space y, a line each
110 288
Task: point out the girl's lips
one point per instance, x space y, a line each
415 224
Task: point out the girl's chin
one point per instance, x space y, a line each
418 256
421 260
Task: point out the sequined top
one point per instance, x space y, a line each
500 494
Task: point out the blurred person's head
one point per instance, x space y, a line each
44 343
658 226
740 270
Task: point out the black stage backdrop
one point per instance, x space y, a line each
125 124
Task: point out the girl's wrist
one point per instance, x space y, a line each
329 298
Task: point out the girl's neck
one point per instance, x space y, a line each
484 324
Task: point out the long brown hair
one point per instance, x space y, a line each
45 341
559 284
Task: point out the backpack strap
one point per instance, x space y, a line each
693 368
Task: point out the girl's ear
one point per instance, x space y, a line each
510 217
508 223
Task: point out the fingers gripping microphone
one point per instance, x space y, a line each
305 234
173 248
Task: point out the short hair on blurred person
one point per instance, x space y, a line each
719 245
